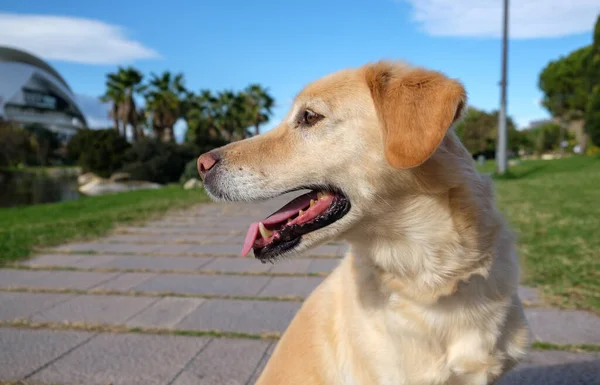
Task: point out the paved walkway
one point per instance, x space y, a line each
172 303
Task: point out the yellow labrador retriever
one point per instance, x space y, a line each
428 291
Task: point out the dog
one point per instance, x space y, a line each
427 293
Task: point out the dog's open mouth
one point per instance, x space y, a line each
283 230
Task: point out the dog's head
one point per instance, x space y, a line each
358 139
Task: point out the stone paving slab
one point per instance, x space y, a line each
216 249
184 263
155 262
224 362
24 351
557 357
125 281
564 326
95 309
263 362
291 286
204 284
217 224
291 265
171 249
24 305
124 359
80 357
238 265
81 261
53 279
200 231
130 248
529 295
556 368
241 316
54 260
165 313
323 265
171 238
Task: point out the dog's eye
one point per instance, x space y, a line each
308 118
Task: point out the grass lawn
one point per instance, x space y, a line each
554 207
24 229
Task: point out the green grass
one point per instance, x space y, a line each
554 207
25 229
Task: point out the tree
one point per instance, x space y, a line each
114 95
592 113
478 132
44 142
98 151
233 115
547 137
165 99
260 105
565 86
570 85
201 118
15 144
121 87
592 117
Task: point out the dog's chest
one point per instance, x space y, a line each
415 347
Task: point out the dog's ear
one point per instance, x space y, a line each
416 107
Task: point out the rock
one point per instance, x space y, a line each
86 178
93 185
192 183
119 176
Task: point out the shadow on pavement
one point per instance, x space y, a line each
575 373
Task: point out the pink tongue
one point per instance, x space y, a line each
250 237
280 216
290 209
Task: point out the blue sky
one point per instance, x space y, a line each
283 45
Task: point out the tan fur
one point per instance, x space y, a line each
428 291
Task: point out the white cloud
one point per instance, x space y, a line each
527 18
71 39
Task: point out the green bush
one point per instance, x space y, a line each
190 171
15 144
592 118
98 151
155 161
44 142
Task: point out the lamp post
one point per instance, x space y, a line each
501 162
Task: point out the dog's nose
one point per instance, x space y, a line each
206 162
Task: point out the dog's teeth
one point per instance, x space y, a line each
320 195
289 220
312 202
266 233
300 213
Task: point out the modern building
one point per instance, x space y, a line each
31 91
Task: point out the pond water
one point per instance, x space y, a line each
19 188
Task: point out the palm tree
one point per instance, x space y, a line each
260 105
233 115
166 98
201 115
115 95
120 90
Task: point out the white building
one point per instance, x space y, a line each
31 91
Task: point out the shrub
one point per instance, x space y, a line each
98 151
155 161
592 118
44 142
15 144
190 171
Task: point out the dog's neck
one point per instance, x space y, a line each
426 245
